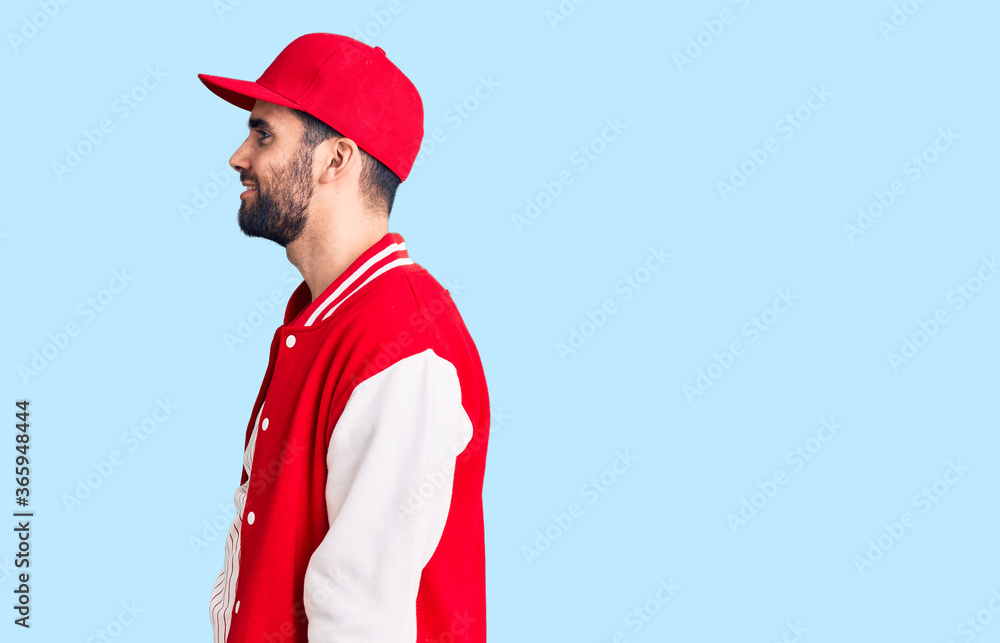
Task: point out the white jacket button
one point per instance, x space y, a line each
290 341
250 518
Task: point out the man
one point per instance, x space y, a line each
359 517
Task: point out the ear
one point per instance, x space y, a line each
338 157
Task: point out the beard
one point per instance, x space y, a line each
277 209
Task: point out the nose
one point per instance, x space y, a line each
240 160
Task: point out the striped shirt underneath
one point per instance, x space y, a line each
221 606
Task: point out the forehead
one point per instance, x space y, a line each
273 117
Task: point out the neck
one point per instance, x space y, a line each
329 245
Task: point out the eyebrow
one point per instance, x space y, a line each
254 123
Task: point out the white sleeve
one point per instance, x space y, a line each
390 468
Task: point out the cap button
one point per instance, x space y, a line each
379 50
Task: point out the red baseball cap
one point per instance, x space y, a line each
348 85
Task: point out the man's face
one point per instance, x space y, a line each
277 170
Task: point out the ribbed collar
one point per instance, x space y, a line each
385 254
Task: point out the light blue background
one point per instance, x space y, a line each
557 423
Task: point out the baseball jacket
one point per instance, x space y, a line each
359 514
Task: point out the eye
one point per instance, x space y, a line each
262 135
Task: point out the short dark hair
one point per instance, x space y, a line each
378 183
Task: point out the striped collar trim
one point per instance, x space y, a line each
385 254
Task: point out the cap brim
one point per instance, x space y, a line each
243 93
